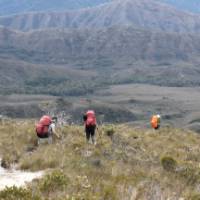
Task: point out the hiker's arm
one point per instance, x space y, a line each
55 132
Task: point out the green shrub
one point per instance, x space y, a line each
191 175
194 197
168 163
57 180
14 193
28 164
39 159
109 131
109 193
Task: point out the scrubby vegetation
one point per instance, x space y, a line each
126 163
168 163
13 193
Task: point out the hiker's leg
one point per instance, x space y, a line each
50 137
50 140
157 127
39 142
93 134
87 132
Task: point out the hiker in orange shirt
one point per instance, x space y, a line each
155 122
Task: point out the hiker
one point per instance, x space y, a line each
46 128
90 125
155 121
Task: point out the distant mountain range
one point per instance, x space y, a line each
129 41
57 61
8 7
147 14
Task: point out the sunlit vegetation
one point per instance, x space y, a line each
126 163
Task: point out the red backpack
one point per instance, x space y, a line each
42 126
91 118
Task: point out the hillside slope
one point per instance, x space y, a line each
59 46
149 14
68 57
127 163
22 77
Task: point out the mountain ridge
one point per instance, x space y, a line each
105 54
89 43
10 7
152 15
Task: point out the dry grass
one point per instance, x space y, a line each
126 163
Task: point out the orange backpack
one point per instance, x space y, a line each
154 121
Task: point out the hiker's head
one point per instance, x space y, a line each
158 116
54 119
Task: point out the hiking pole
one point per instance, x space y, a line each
99 134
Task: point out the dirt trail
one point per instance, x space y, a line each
11 177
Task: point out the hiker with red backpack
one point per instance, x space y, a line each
90 125
46 128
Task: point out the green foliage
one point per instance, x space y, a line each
109 192
168 163
58 86
190 174
109 131
14 193
194 197
37 163
57 180
114 169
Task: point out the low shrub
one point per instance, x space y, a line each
109 131
194 197
14 193
57 180
190 174
109 192
168 163
44 157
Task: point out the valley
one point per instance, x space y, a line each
129 103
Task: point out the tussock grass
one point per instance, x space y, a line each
168 163
14 193
126 162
